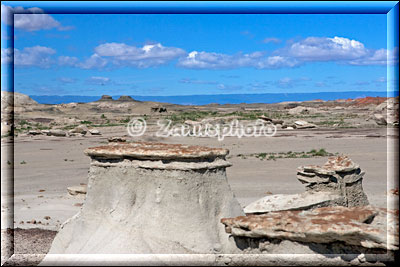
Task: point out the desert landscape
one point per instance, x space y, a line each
48 170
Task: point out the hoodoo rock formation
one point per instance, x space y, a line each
337 183
152 198
368 229
339 175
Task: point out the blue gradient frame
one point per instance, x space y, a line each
390 8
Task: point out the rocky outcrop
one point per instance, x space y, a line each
55 132
76 190
116 139
125 98
339 175
337 183
106 98
303 201
158 109
304 125
302 110
387 112
152 198
81 129
357 226
16 99
94 132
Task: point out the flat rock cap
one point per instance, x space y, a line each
149 150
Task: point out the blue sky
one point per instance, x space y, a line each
95 54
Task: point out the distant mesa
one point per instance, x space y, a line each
125 98
106 98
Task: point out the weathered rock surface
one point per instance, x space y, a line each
81 129
158 109
55 132
148 150
339 175
388 112
34 132
152 198
304 125
359 226
116 139
125 98
76 190
94 132
380 119
273 121
303 201
18 99
302 110
106 98
337 183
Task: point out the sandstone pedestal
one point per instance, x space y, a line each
152 198
337 183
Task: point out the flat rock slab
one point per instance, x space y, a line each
322 225
301 201
75 190
147 150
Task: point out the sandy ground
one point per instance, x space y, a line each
45 166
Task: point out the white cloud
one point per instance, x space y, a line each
378 57
67 61
94 62
312 49
228 87
99 80
6 55
339 49
206 60
325 49
39 56
35 22
195 81
30 19
271 40
142 57
66 80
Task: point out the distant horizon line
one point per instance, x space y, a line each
217 94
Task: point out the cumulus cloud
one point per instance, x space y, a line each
30 19
66 80
38 56
98 80
6 55
271 40
67 61
205 60
141 57
325 49
339 49
228 87
93 62
312 49
195 81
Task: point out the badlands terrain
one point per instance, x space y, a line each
44 145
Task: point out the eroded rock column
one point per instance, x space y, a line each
152 198
339 175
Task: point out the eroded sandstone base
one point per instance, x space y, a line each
145 198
